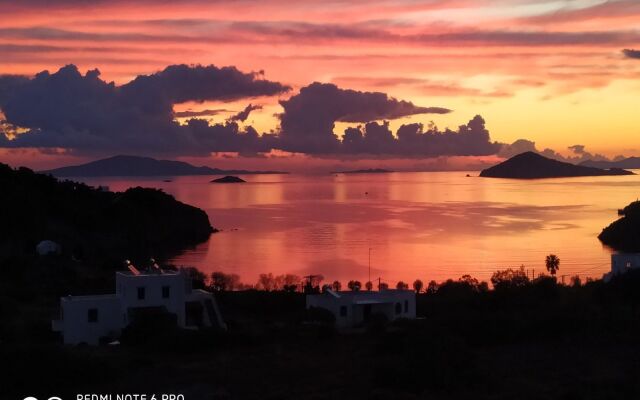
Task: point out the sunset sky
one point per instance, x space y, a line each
558 73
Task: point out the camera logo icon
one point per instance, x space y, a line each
50 398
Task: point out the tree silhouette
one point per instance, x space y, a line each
510 279
432 288
402 286
368 286
222 282
336 285
354 285
553 264
418 285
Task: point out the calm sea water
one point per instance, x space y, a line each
431 225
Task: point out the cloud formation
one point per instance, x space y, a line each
630 53
85 114
309 117
244 114
412 140
578 152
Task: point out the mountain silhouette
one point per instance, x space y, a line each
124 165
628 163
530 165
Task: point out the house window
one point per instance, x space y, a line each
166 292
141 293
628 264
406 306
92 315
398 308
343 311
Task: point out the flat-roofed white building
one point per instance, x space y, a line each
352 308
621 263
87 319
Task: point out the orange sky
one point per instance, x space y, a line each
549 71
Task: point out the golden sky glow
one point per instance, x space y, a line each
548 71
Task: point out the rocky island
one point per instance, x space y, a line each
531 165
228 179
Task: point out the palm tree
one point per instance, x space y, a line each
368 285
402 286
418 285
354 285
337 286
553 264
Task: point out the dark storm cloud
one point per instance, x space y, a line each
244 114
631 53
180 83
309 117
85 114
412 140
9 84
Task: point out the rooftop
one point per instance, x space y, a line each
149 272
366 293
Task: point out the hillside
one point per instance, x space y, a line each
624 233
124 165
531 165
98 226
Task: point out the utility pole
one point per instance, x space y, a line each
369 265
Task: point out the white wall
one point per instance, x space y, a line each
127 287
75 325
112 310
387 301
621 262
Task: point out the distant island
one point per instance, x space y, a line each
531 165
365 171
626 163
624 234
228 179
124 165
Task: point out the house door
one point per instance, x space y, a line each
366 312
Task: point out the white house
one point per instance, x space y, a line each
621 263
352 308
87 319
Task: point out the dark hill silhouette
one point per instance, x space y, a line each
124 165
94 224
228 179
624 234
627 163
531 165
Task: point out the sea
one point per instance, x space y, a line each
397 226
